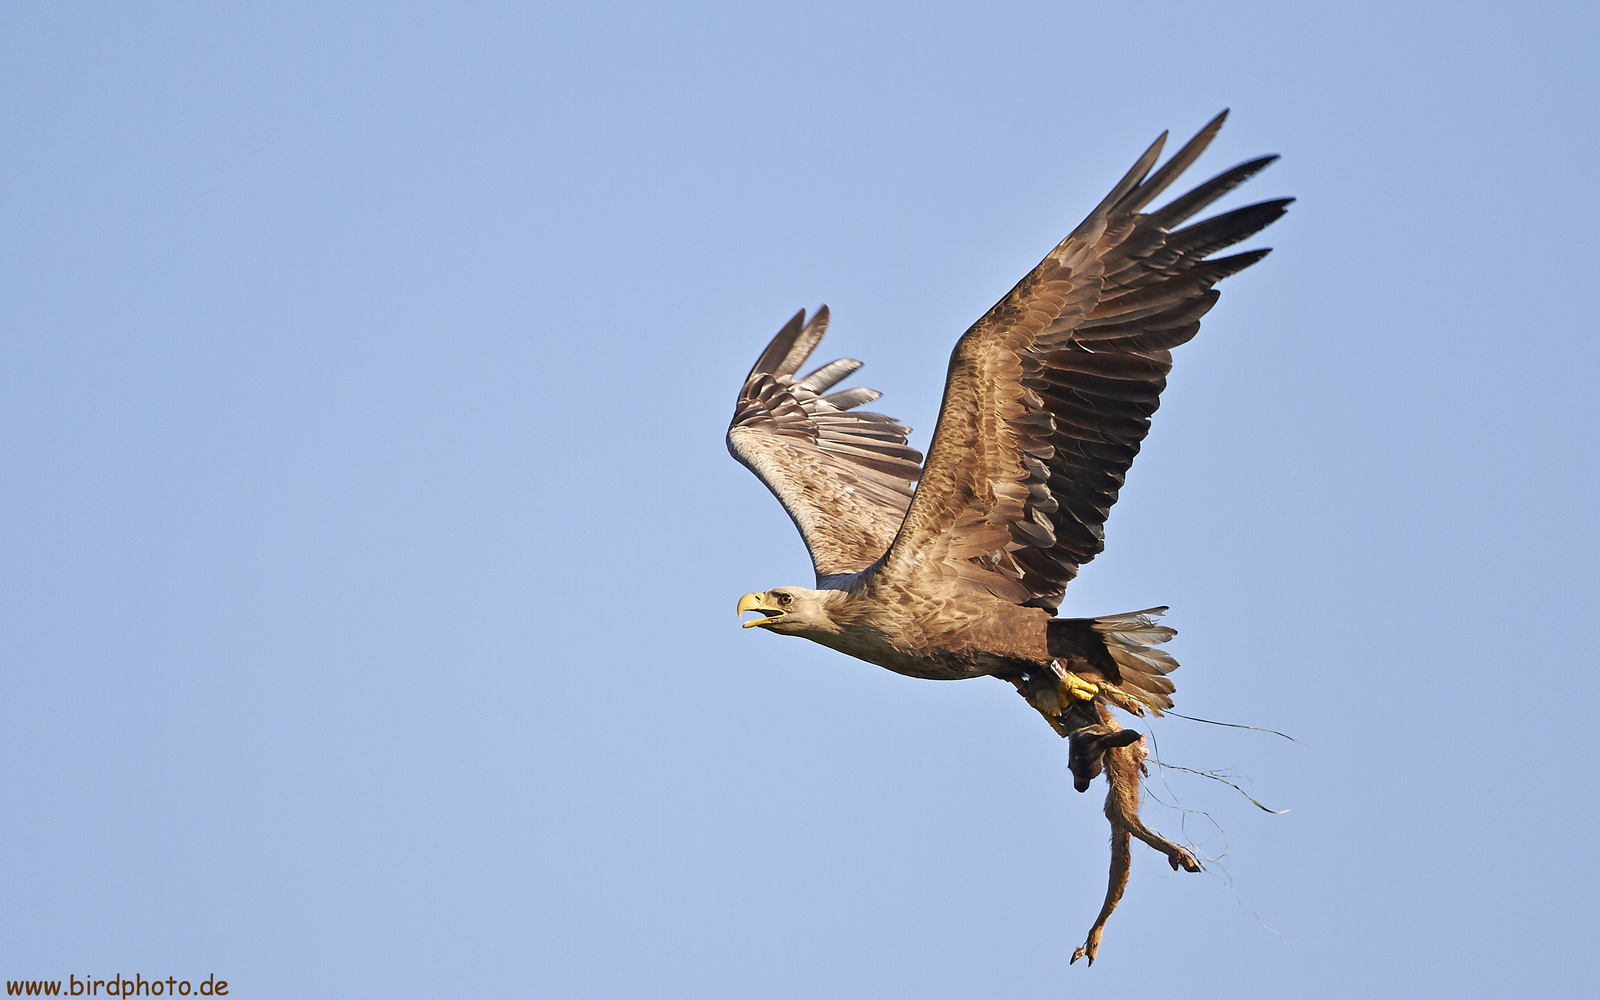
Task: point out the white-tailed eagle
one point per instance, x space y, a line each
1047 400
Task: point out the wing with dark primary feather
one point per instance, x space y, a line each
1050 393
844 475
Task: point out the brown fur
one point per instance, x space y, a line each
1124 771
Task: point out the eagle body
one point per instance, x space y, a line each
979 636
953 568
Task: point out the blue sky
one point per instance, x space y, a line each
369 590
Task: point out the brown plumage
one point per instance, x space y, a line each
1047 399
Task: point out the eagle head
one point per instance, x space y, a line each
791 610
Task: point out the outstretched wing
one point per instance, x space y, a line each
1050 393
845 476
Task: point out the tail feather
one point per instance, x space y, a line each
1117 648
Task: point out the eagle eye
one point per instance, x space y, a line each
785 599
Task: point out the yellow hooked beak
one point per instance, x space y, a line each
758 602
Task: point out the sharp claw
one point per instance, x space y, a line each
1074 686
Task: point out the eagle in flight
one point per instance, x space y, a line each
1047 399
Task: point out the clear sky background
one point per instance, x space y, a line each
371 550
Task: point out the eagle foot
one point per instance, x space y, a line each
1075 687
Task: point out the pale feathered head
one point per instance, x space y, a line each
791 610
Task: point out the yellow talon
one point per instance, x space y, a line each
1081 689
1076 687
